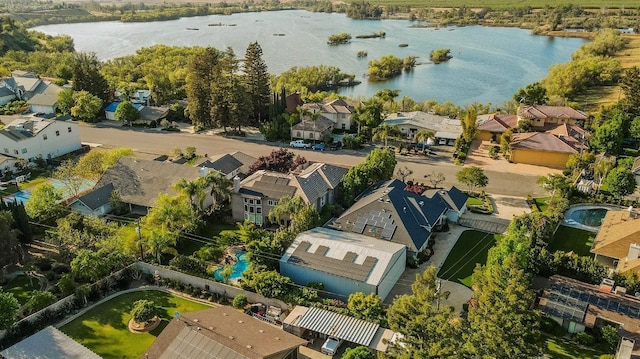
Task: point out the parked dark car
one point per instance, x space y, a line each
335 146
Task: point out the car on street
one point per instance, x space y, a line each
299 144
318 147
335 146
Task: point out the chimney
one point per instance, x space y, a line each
634 252
236 184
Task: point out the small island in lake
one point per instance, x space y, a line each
403 45
380 34
337 39
363 53
192 28
440 55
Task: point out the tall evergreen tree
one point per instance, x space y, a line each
86 76
200 77
257 82
230 104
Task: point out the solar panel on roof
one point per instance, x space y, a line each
358 227
633 312
613 305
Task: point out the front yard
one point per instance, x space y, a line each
470 249
558 348
104 329
569 239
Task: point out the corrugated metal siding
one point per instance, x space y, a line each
339 326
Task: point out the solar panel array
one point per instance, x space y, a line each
571 303
376 219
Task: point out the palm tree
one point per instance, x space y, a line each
162 241
423 136
220 188
292 119
191 189
384 132
303 112
286 208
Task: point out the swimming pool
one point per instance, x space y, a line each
23 196
587 217
238 268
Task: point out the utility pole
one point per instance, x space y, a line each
139 232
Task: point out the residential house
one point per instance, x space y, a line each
388 212
32 137
229 165
152 115
140 182
24 85
110 110
551 148
49 343
45 102
322 324
222 332
344 262
617 244
542 116
635 168
313 130
410 123
254 196
96 203
494 125
140 96
6 164
576 306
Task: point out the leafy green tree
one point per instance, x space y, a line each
219 189
423 136
270 284
266 248
387 96
200 79
610 336
143 311
286 209
505 143
20 222
230 103
608 137
8 309
532 94
160 241
473 177
553 182
9 249
385 68
240 301
634 130
379 165
39 299
428 329
86 106
126 112
87 76
44 203
192 189
440 55
630 84
66 284
619 182
90 265
172 213
359 352
368 307
70 176
65 101
257 82
385 132
468 123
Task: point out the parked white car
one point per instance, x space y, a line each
330 347
299 144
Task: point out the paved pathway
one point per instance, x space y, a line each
487 224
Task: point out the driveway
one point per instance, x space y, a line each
458 293
151 143
478 155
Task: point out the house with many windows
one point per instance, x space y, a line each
253 197
410 123
31 137
326 116
542 116
617 244
229 165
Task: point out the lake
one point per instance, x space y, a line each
489 64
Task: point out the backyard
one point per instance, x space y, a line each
104 329
569 239
558 348
21 286
470 249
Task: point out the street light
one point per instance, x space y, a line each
139 232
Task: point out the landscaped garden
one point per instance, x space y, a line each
104 329
470 249
558 348
21 286
570 239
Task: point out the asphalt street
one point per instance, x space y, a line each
152 143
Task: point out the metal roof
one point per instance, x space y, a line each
339 326
49 343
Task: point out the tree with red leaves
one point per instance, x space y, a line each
281 160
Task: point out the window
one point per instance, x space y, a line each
57 133
24 150
311 135
344 116
44 137
298 134
15 152
344 126
272 202
69 129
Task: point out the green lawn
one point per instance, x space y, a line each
572 239
187 247
21 287
556 348
104 329
470 249
215 229
471 201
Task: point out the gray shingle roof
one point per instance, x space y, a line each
97 197
225 164
141 181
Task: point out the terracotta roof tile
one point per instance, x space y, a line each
544 111
540 141
618 231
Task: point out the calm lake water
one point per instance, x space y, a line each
488 65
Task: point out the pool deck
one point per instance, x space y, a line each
574 224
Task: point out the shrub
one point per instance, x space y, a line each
584 339
240 301
143 311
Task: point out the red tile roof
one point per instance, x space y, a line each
499 122
540 141
544 111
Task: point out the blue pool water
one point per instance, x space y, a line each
23 196
238 268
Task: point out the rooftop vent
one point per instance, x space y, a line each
421 203
231 337
240 321
249 346
195 320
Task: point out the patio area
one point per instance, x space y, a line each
478 155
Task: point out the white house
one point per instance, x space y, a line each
32 137
344 262
410 123
6 163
